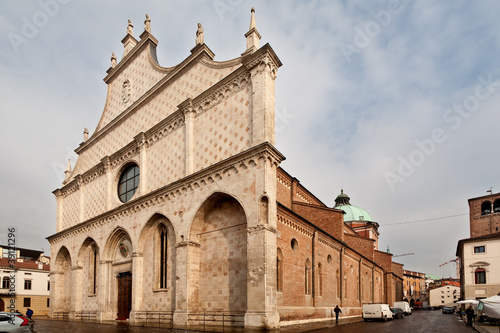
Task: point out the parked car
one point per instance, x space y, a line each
448 310
397 313
16 323
376 312
403 306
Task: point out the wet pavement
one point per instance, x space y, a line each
419 321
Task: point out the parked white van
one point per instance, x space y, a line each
376 312
403 306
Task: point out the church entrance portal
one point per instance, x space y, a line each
124 295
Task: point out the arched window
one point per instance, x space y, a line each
93 261
279 270
486 208
5 282
480 276
320 281
496 206
162 258
308 277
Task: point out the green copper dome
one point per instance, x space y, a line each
352 213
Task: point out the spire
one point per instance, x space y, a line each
252 20
252 35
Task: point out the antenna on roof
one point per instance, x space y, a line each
490 190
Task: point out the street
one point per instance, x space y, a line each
419 321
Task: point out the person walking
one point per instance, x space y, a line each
337 311
470 314
29 313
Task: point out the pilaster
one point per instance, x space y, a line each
187 109
143 162
263 66
81 189
137 283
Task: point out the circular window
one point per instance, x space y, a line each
295 244
129 181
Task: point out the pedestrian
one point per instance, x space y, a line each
470 314
337 311
29 313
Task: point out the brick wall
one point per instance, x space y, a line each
328 219
484 224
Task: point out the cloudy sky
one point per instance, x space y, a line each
396 102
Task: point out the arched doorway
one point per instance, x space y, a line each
219 264
118 257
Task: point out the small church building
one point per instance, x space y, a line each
177 207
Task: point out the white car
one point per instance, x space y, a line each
16 323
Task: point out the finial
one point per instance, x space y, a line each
252 35
147 24
68 166
252 19
199 35
85 134
113 60
130 28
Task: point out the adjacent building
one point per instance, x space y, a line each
414 286
177 205
480 254
29 281
446 295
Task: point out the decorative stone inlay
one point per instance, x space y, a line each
222 93
251 158
126 91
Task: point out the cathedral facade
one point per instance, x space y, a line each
177 208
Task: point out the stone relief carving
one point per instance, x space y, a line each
126 91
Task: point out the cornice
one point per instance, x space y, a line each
242 161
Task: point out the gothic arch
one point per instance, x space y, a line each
218 252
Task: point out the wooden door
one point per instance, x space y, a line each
124 295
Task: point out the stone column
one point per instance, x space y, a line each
187 281
103 290
59 216
137 283
81 189
78 296
109 182
187 109
143 163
